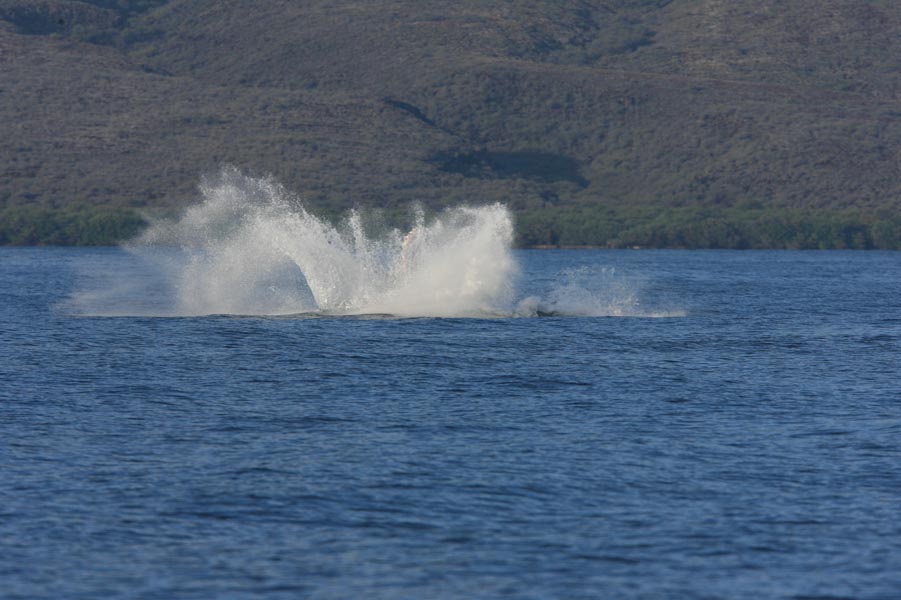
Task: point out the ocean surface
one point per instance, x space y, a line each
675 425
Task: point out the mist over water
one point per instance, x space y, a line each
251 248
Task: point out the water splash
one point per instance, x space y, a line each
251 248
593 291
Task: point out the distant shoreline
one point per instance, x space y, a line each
589 228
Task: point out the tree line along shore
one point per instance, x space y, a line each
601 227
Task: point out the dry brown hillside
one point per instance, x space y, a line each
549 106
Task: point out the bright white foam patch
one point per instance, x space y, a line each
251 248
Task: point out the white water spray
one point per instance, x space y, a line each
251 248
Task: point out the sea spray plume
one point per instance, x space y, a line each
227 264
250 247
460 264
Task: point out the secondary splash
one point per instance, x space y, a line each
251 248
592 291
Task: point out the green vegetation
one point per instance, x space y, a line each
621 123
30 226
644 228
707 228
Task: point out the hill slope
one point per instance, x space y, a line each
572 112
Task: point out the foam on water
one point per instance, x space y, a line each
592 291
251 248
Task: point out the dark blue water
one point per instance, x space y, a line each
749 449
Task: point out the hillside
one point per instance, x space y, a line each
589 118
